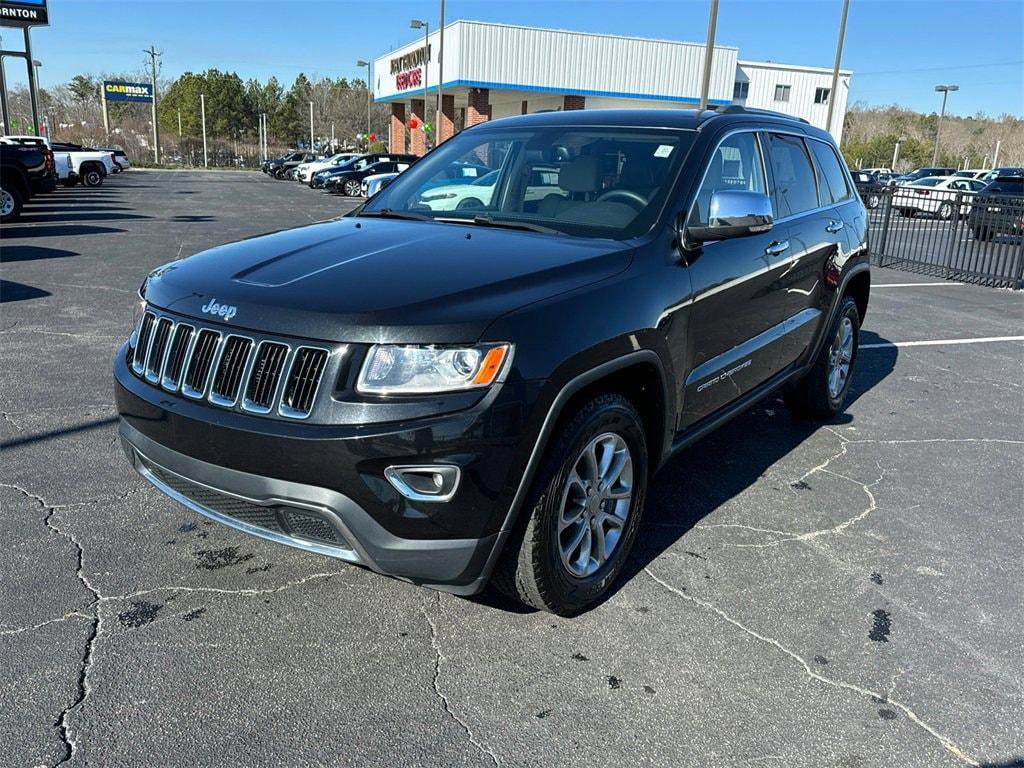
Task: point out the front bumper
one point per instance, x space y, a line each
321 488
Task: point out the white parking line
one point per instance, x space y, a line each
940 342
913 285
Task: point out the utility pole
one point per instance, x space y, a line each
179 126
202 110
33 85
709 52
440 81
995 157
420 24
311 126
945 91
153 53
835 67
895 157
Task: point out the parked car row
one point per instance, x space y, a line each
351 174
30 165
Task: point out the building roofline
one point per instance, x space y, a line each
790 67
571 32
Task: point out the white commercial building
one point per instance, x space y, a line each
497 70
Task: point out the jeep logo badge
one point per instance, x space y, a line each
220 310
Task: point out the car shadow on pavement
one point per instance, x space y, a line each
11 291
716 469
59 230
12 253
31 217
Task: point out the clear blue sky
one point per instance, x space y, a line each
898 49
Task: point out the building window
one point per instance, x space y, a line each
740 90
821 95
782 93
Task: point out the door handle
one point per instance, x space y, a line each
776 247
834 226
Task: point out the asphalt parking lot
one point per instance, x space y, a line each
846 594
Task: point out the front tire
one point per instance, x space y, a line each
352 188
583 511
822 392
873 201
946 211
10 204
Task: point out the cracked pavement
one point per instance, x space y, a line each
846 594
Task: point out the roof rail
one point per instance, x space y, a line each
735 109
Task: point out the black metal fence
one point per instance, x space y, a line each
952 234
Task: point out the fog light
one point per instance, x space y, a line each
429 482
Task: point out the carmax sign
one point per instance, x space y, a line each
23 13
115 90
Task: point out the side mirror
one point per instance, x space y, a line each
734 213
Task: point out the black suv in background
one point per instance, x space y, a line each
349 181
279 166
998 209
324 178
457 394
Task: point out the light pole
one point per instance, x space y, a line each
835 67
420 24
366 64
311 126
440 77
944 90
709 52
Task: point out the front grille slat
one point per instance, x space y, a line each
303 382
157 350
265 376
177 354
198 372
229 370
231 366
142 342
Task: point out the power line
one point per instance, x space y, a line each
940 69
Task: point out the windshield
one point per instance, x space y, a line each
588 182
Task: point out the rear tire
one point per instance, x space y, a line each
91 177
873 201
10 204
822 392
946 211
544 564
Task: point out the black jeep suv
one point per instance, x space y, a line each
461 393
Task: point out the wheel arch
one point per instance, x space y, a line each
859 288
14 177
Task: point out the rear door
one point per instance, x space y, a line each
811 194
736 319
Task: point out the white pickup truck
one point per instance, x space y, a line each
90 166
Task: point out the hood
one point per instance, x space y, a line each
380 280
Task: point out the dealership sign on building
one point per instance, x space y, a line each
23 13
115 90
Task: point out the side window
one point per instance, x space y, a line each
793 186
832 184
736 164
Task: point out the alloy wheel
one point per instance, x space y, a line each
840 355
352 188
6 203
595 504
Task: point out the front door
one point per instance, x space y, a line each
736 318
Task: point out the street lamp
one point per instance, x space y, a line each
420 24
366 64
945 91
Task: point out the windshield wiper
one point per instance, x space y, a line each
487 221
388 213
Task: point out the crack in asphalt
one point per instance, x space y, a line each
439 659
7 417
83 685
946 742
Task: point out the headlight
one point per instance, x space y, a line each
393 369
138 308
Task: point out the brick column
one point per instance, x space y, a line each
397 129
416 135
479 109
525 108
574 102
447 127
